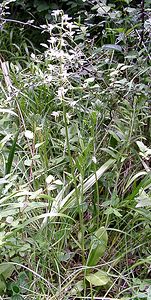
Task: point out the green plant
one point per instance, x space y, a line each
75 173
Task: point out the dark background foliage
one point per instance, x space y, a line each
104 27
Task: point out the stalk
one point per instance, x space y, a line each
79 195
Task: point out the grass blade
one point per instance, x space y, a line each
11 154
62 204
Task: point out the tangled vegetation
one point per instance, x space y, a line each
75 148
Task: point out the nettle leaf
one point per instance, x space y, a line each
98 279
98 246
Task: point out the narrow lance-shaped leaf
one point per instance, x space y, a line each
61 204
98 246
11 154
112 47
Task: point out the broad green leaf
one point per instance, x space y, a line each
43 6
98 246
144 151
98 279
6 270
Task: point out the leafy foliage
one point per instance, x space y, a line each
75 153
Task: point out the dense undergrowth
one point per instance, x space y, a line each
75 147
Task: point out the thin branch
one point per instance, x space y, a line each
28 23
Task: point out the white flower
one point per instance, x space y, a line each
56 13
29 134
50 27
94 159
52 40
73 103
62 42
55 114
50 179
48 78
33 56
71 27
64 75
61 92
66 18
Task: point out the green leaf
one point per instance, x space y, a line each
15 288
98 279
111 210
11 154
78 287
114 135
141 146
42 7
98 246
112 47
149 293
17 297
6 270
61 204
103 9
110 151
145 183
133 178
143 199
8 111
2 286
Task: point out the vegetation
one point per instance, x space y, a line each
75 148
